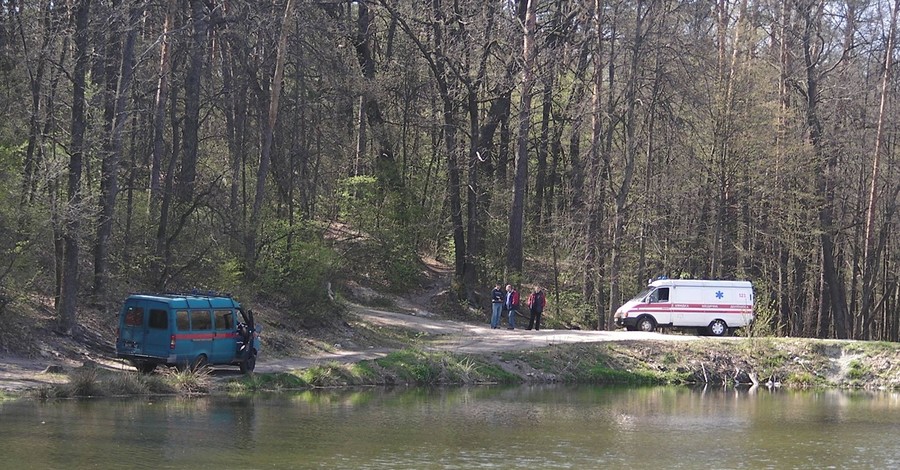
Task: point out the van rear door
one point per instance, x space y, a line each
159 332
144 329
131 330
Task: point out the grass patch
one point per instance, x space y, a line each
433 368
804 380
604 375
267 383
189 382
94 382
857 370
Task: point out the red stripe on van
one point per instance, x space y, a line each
202 336
741 310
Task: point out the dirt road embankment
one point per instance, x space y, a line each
552 355
575 356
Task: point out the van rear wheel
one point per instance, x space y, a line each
200 363
144 367
646 324
718 328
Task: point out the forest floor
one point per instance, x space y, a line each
33 356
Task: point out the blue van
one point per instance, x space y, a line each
188 331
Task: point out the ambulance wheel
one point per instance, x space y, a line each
718 328
144 367
248 364
646 324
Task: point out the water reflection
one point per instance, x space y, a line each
502 427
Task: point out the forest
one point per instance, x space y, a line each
157 145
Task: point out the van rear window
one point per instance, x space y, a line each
134 316
159 319
200 320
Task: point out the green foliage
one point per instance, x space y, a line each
856 370
297 268
570 311
804 380
765 323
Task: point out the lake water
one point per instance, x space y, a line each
482 427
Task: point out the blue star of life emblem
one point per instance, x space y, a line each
720 294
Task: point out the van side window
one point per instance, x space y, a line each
159 319
224 320
201 320
134 316
182 320
662 294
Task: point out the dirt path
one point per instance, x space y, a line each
457 337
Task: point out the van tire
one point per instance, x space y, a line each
646 324
144 367
200 363
718 328
247 365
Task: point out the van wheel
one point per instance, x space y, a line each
718 328
144 367
200 363
646 324
248 364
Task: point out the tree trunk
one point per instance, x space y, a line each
631 147
514 254
71 235
159 108
121 86
192 87
872 255
832 284
265 157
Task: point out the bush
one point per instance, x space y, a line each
297 269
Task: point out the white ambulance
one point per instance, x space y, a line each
709 306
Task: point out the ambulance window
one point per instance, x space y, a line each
182 321
662 294
134 316
200 320
224 320
159 319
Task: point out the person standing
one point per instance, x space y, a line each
536 302
512 305
496 306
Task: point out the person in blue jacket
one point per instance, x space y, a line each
497 296
512 305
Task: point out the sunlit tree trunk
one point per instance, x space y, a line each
514 256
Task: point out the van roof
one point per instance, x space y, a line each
177 300
700 283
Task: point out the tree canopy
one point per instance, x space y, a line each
586 146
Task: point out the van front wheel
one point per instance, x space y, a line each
247 365
646 324
718 328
